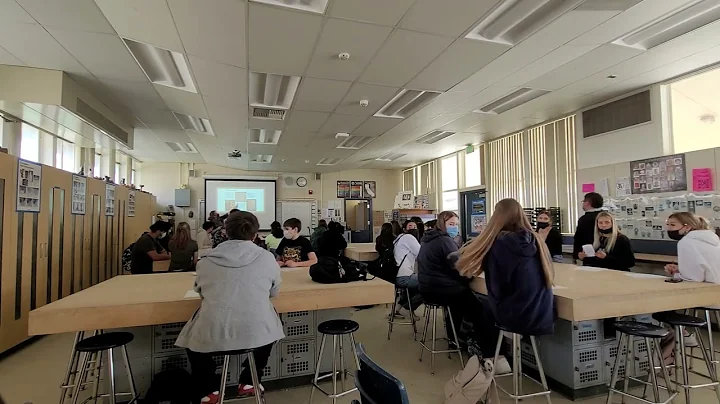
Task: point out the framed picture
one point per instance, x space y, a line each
29 178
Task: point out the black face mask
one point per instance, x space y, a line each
414 232
605 231
675 235
541 225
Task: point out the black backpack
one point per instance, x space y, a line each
385 267
331 270
126 258
172 386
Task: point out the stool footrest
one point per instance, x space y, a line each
523 396
622 393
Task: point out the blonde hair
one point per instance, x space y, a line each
611 238
690 219
181 236
507 217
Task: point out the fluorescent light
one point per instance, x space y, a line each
195 124
264 136
328 161
178 147
162 66
262 158
390 157
406 103
435 136
354 142
313 6
512 100
272 91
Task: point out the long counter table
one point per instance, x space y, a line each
138 300
363 252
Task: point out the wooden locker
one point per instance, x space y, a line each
13 295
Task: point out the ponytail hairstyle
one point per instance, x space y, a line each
241 225
181 236
691 220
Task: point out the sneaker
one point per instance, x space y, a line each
212 398
405 313
691 341
398 314
246 390
502 366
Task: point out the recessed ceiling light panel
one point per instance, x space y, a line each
264 136
273 91
313 6
261 158
328 161
162 66
406 103
183 147
390 157
435 136
200 125
354 142
512 100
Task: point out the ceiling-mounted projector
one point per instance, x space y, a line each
235 154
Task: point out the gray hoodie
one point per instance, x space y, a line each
235 281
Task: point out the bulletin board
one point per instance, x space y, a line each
659 175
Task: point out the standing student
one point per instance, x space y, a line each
698 248
585 230
183 250
235 282
612 248
147 250
295 250
549 234
275 237
317 233
332 243
406 250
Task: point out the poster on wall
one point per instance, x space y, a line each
28 183
79 187
369 189
109 200
702 179
343 189
622 186
131 204
356 189
659 174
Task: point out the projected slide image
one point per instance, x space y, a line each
250 200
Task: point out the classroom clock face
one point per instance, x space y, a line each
301 181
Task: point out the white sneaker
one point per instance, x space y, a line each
691 341
502 366
406 313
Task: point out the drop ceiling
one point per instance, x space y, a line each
478 69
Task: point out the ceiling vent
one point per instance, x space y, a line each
406 103
162 66
329 161
623 113
200 125
512 100
178 147
511 21
354 142
672 26
264 136
390 157
313 6
266 113
435 136
261 158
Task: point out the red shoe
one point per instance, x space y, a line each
211 398
246 390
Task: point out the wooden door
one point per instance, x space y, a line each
13 279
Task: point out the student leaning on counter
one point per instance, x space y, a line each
698 248
612 248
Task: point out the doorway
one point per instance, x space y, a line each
358 220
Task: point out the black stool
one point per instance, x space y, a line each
680 322
432 309
711 344
517 373
72 373
95 345
391 321
338 329
652 335
259 393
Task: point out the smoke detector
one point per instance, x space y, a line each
235 154
344 56
341 135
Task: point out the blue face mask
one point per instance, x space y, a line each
453 231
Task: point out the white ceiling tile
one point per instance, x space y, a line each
78 15
446 17
547 63
104 55
467 123
377 96
456 63
6 58
167 135
229 119
254 148
214 30
402 57
261 123
135 95
149 148
219 80
281 41
305 121
146 21
12 12
182 101
342 123
340 36
158 119
375 126
381 12
320 95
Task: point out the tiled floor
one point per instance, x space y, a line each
33 373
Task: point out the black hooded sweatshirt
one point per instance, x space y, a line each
436 271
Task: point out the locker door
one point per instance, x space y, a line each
55 245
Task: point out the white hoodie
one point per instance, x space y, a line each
699 256
406 251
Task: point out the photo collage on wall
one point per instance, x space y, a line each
109 200
131 204
356 189
79 188
660 174
28 191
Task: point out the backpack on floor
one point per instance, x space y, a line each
172 386
126 259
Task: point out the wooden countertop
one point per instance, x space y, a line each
568 249
364 252
588 294
139 300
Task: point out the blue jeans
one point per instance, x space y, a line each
411 284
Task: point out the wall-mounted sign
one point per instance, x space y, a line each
109 200
343 189
29 178
356 189
369 189
659 174
79 192
131 204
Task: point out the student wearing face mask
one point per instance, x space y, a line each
549 234
592 205
147 250
612 248
295 250
406 250
698 248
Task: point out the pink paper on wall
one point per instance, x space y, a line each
588 187
702 179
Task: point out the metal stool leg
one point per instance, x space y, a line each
317 368
516 368
412 314
98 362
543 380
392 313
616 367
111 375
334 369
665 374
131 380
425 330
434 340
651 371
223 379
82 372
259 394
72 369
683 358
455 334
518 358
342 364
710 366
354 351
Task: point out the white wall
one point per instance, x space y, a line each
647 140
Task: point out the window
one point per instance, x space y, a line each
118 172
693 103
68 157
30 143
449 182
132 177
408 180
472 168
47 149
96 167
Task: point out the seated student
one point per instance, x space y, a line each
549 234
518 273
429 225
612 248
203 236
219 235
294 250
273 239
235 282
384 240
397 229
146 249
317 233
420 225
332 243
698 248
406 250
183 250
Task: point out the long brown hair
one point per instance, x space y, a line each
508 216
444 217
181 236
690 219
